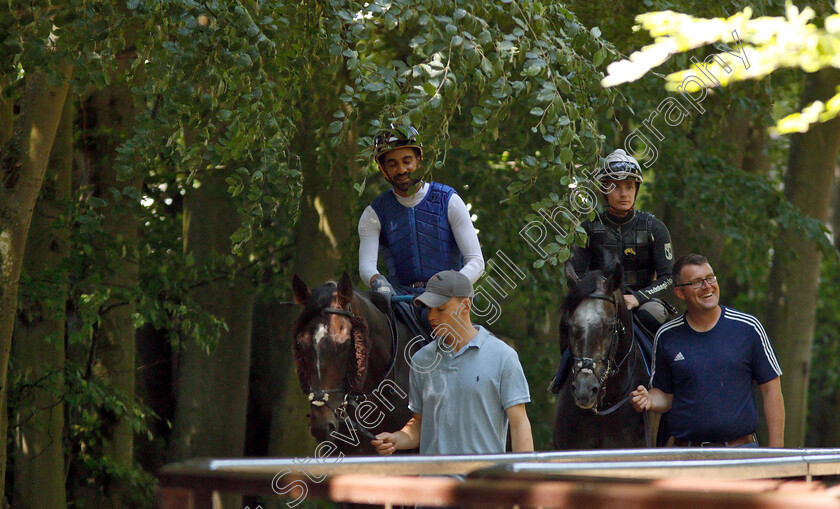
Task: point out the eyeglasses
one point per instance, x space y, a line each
698 283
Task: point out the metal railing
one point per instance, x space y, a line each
490 477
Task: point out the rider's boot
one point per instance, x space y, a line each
562 372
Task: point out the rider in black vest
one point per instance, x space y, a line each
642 243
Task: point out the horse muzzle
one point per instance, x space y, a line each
322 422
586 387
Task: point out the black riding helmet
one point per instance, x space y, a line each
392 138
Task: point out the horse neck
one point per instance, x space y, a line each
379 333
626 319
624 347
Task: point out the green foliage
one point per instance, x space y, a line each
758 47
94 408
824 370
507 97
215 97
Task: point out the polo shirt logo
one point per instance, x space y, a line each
679 357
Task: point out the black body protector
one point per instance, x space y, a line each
643 245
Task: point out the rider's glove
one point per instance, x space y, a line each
381 285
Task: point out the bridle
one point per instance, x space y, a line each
588 364
318 397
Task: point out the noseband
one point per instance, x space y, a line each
588 364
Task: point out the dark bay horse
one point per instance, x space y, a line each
593 407
352 362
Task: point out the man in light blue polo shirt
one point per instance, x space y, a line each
465 387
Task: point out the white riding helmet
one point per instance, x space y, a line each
620 166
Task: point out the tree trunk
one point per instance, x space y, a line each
110 115
38 345
154 388
744 133
791 301
7 119
835 209
323 231
823 425
270 361
23 162
212 389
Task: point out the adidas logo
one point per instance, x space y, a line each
679 357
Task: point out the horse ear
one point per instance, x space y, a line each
612 269
301 291
345 288
616 278
571 275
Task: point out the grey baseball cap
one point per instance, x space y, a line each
443 286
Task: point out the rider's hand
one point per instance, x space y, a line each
640 399
380 284
631 301
385 443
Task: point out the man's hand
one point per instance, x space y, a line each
640 398
385 443
631 301
380 284
406 438
654 399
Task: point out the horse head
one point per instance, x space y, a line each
593 323
331 349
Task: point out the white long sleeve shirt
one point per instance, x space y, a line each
459 221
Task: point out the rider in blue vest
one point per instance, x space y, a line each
420 228
640 240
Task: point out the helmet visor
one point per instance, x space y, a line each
395 137
621 170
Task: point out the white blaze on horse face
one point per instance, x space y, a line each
589 314
320 333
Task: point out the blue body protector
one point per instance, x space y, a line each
417 242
